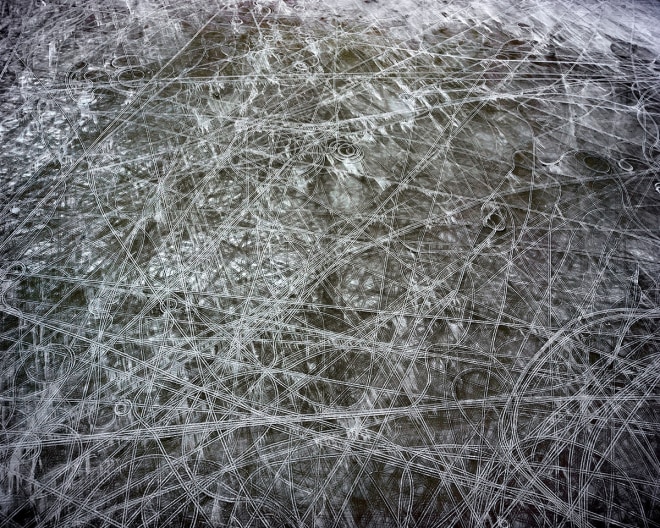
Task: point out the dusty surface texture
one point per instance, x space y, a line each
291 264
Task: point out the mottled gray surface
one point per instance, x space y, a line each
366 264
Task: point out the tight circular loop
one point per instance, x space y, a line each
493 217
346 151
594 162
125 61
625 165
132 77
123 408
168 305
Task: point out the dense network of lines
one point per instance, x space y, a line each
263 265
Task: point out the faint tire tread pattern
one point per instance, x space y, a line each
286 264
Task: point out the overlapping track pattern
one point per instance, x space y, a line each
266 268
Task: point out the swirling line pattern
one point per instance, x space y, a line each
270 264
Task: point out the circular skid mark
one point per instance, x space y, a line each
131 74
346 151
494 216
123 408
16 270
125 61
50 363
133 77
300 67
169 305
594 162
625 165
656 186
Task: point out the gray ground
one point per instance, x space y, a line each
269 264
